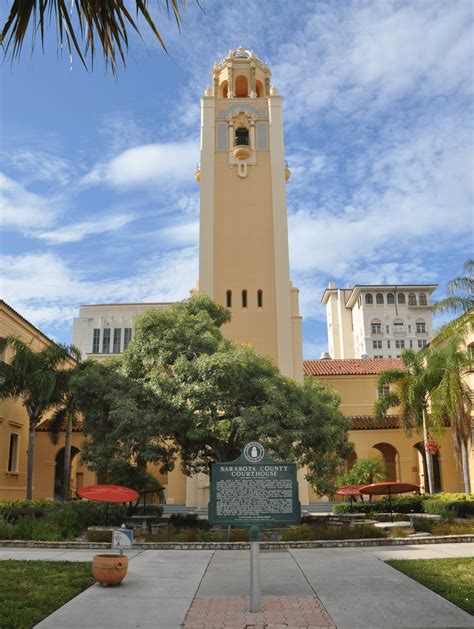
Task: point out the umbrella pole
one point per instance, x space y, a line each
106 513
390 503
351 498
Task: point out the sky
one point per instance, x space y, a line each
98 198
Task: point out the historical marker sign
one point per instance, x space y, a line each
254 490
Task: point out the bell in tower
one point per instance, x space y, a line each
244 263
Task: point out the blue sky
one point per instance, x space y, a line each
99 203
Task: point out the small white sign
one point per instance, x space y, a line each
122 538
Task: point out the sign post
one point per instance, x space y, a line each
253 492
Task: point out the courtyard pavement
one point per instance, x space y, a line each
327 587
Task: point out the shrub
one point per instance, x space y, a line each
187 520
31 528
6 529
421 525
450 506
317 532
400 504
99 536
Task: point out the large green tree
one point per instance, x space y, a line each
38 379
460 292
182 389
105 25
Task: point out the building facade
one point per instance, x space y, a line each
378 321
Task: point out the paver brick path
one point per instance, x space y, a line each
278 612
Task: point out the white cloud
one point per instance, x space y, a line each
78 231
48 290
24 210
40 166
181 234
148 165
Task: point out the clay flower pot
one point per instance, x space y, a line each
109 569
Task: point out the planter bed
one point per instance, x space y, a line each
400 541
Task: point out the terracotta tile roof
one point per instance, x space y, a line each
367 422
44 426
350 366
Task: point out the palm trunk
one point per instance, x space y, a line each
465 468
67 459
31 460
428 457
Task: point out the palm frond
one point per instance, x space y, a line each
103 24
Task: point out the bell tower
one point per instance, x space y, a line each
243 246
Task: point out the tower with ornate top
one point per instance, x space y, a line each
244 261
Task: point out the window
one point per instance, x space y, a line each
96 341
411 344
13 453
244 298
376 327
379 298
106 341
398 327
377 344
242 137
423 300
127 337
412 299
387 329
420 327
388 344
117 338
409 329
400 344
378 357
390 298
421 343
228 299
369 299
384 390
401 298
260 298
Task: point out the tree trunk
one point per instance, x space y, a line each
428 457
31 460
67 459
465 467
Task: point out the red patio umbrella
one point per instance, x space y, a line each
349 490
108 493
388 488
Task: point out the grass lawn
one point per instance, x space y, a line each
31 590
452 578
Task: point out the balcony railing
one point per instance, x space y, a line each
399 330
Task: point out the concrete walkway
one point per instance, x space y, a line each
356 589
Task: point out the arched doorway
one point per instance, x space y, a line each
59 472
390 458
436 468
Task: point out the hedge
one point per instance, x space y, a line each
444 504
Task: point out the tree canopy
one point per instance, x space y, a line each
182 391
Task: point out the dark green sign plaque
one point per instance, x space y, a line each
254 490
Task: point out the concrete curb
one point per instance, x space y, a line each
348 543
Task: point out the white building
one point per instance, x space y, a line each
104 330
378 321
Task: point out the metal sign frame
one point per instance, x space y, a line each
251 468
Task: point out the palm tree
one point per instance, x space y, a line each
106 23
66 415
460 291
411 389
36 377
451 401
366 472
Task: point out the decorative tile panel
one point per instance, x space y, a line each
222 136
262 136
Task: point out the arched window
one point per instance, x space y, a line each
228 299
401 298
244 298
412 299
398 327
260 298
423 300
241 87
390 298
224 89
420 326
369 299
376 327
242 136
379 298
259 88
